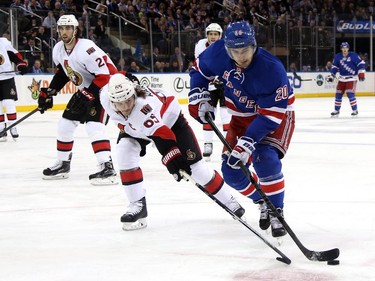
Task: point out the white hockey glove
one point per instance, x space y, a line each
241 152
199 104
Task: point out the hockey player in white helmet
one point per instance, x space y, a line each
88 68
8 89
213 33
147 115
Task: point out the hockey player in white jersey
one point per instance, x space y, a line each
147 115
8 90
213 33
89 68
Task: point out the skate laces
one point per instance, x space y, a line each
58 164
134 208
274 220
232 204
263 211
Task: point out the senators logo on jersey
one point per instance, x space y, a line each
2 59
75 77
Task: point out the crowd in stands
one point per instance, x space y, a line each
37 25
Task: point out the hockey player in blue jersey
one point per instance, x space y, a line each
349 65
260 99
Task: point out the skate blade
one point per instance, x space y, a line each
139 224
3 139
279 240
112 180
57 177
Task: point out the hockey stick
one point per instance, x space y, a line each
10 72
2 133
311 255
283 257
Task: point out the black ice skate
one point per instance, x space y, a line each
335 114
354 113
14 133
58 171
3 136
235 207
106 176
135 216
264 220
207 150
277 228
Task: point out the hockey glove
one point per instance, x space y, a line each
241 152
361 76
45 100
82 101
218 83
174 161
22 68
199 104
330 78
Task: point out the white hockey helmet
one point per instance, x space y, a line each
120 88
214 27
67 20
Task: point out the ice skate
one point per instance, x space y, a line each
335 114
354 113
135 216
277 228
235 207
207 151
264 220
14 133
106 176
60 170
3 136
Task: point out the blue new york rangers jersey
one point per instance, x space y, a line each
261 89
348 67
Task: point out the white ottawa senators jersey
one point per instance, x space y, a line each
5 62
84 63
159 108
200 47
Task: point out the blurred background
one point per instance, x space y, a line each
160 36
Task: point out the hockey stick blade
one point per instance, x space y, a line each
2 133
283 258
311 255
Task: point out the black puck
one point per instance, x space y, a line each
333 262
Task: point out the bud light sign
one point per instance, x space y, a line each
354 26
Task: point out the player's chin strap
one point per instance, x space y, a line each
283 257
2 133
311 255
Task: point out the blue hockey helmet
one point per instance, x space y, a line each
345 45
239 35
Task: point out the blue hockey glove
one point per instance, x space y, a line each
199 105
241 152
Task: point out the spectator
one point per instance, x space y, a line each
133 67
37 67
328 66
179 57
49 21
158 67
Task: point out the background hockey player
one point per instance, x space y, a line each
8 90
260 99
351 68
88 68
213 33
145 115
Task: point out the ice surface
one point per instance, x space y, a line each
69 230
